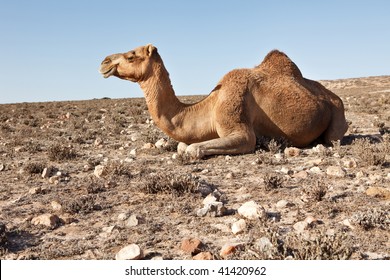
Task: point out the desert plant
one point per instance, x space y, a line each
273 181
372 218
58 152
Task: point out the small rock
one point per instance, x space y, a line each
230 175
2 167
227 158
132 221
35 190
378 192
319 149
133 152
99 171
315 170
215 209
123 216
292 152
282 204
335 171
349 163
310 220
98 142
205 171
148 146
251 210
46 173
207 256
347 223
227 250
239 226
263 244
191 245
209 199
54 179
130 252
56 206
47 220
300 226
301 175
360 174
161 143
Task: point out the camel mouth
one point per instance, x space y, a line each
111 71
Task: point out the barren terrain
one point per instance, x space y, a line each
84 179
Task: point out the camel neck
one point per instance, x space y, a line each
160 97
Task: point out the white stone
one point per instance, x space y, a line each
46 172
133 152
239 226
251 210
161 143
315 170
292 152
335 171
282 203
132 221
130 252
209 199
99 171
56 206
47 220
263 244
300 226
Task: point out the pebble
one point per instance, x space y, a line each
292 152
54 179
130 252
263 244
335 171
35 190
191 245
46 172
230 175
209 199
56 205
99 171
252 211
239 226
133 152
214 209
229 249
123 216
301 175
378 192
349 163
161 143
207 256
132 221
283 203
315 170
47 220
2 167
300 226
98 142
148 146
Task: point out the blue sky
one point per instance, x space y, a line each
51 50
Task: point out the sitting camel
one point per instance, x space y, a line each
272 99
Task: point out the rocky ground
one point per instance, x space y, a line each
97 180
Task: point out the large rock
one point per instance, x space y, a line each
252 211
47 220
239 226
130 252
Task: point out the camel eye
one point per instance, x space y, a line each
130 59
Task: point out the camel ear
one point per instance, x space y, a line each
150 50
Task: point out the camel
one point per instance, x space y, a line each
272 99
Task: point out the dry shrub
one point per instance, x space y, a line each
371 153
59 152
174 184
316 190
317 246
116 168
34 167
372 218
82 204
273 181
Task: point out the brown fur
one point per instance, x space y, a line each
272 99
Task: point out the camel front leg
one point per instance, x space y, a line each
233 144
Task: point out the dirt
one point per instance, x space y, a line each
78 182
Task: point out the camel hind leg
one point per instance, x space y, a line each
337 126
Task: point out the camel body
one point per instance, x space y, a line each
272 99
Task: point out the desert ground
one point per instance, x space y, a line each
97 179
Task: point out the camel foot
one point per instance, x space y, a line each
194 151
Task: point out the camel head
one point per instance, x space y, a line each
134 65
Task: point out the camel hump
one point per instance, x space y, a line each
277 62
